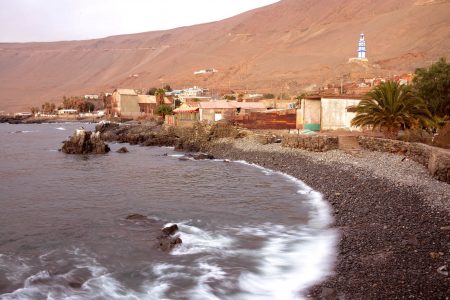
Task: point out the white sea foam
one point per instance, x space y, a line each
196 240
23 131
61 128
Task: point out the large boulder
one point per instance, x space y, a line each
168 239
85 142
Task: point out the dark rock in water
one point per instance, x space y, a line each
85 142
136 217
201 156
167 241
75 285
123 150
198 156
103 126
170 230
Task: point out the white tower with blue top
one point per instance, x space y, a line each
362 47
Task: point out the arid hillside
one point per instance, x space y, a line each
285 46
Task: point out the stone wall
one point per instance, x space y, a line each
311 143
437 160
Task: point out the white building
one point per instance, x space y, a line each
205 71
91 97
67 112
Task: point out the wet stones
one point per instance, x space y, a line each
198 156
123 150
170 230
168 239
85 142
136 217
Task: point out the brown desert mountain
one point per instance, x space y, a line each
285 46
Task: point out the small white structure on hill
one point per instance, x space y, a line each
205 71
362 51
362 47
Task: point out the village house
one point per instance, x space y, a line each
327 112
127 103
214 111
184 116
70 111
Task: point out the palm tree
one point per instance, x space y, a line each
391 107
164 110
160 93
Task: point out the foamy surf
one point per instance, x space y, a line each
230 261
60 128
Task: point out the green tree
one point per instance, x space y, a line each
160 93
164 109
48 107
269 96
229 97
433 85
299 98
34 110
152 91
167 88
391 107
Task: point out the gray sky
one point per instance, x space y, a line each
53 20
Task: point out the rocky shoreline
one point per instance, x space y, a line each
37 120
392 240
393 218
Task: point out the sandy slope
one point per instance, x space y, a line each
285 45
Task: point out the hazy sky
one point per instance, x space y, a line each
51 20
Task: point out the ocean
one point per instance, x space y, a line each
247 232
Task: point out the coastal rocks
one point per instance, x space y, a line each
13 119
123 150
265 139
315 143
168 239
198 156
105 125
85 142
443 270
136 217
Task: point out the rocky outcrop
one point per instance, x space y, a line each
85 142
105 125
136 217
197 156
123 150
168 239
316 143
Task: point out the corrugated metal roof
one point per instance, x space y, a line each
126 91
147 99
250 105
216 105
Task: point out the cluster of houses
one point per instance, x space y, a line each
320 112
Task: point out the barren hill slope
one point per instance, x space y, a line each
289 44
